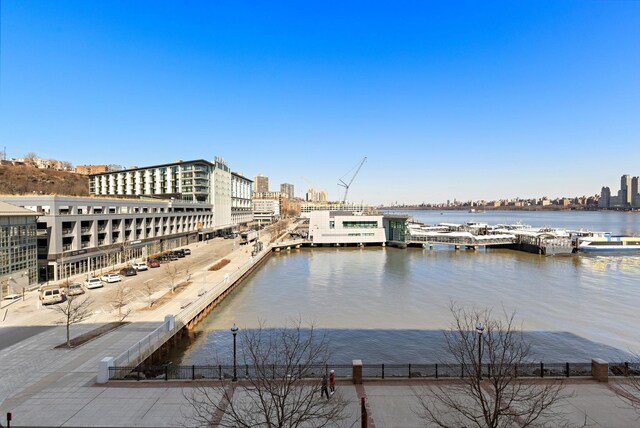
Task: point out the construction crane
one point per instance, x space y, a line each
346 185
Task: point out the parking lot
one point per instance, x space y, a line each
134 292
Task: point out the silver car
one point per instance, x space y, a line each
74 289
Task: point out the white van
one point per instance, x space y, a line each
51 294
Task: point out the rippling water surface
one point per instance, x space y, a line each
390 305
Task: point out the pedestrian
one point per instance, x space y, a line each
324 389
332 381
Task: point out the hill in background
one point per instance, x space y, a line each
19 180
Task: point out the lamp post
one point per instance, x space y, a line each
479 330
234 331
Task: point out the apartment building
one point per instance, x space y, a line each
266 210
197 181
241 190
288 189
261 183
80 235
18 257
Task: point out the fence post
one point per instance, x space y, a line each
382 371
246 370
299 371
220 371
436 370
567 370
626 368
461 370
356 371
409 371
364 417
166 372
193 372
541 369
273 371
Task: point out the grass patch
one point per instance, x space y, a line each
222 263
90 335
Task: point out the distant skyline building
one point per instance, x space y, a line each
314 195
260 184
628 197
288 189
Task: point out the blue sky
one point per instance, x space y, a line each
447 100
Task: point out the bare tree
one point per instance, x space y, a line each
75 309
187 265
149 288
119 301
628 387
30 157
172 271
282 390
489 352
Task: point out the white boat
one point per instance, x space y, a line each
609 244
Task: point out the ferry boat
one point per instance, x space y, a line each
609 244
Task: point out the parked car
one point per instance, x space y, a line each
128 271
172 256
51 294
93 283
110 277
153 263
140 266
186 251
74 289
179 253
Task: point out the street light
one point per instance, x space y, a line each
479 330
234 331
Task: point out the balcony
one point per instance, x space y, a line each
67 231
66 247
85 244
85 230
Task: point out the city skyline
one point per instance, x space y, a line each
463 101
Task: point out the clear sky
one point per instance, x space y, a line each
447 99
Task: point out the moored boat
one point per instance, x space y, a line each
609 244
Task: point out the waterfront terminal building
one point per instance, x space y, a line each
343 227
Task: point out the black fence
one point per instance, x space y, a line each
220 372
379 371
437 371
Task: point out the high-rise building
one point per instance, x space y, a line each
625 195
261 184
635 192
605 198
288 189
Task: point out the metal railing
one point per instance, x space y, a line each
225 371
152 341
157 337
381 371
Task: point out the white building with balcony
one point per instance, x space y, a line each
241 208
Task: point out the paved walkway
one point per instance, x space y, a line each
43 386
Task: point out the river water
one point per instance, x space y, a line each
388 305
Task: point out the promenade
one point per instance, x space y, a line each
43 386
